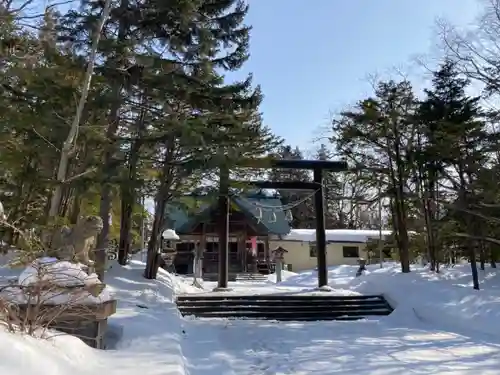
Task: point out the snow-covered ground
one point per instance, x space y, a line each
445 299
438 327
147 316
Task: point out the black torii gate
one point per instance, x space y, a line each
317 166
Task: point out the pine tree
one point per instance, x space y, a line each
191 111
455 137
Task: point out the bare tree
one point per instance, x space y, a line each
476 51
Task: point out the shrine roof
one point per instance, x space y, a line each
264 211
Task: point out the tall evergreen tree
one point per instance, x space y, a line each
455 147
193 114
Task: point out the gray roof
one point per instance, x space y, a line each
265 212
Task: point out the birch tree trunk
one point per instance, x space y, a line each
68 145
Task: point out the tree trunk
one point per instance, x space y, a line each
470 227
67 193
76 206
109 164
68 145
400 230
482 256
129 190
128 198
102 238
473 264
396 178
160 203
493 255
154 240
127 204
431 250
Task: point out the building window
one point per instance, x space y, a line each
313 251
350 251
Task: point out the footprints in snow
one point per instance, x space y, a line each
267 362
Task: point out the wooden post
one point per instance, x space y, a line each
279 267
279 256
198 257
203 247
242 249
245 255
266 253
223 229
320 229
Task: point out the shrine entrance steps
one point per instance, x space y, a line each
251 277
283 307
241 276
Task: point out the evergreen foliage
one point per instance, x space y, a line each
159 118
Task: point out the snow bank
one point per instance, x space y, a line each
147 323
147 315
446 299
335 235
61 355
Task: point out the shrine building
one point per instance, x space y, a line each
257 226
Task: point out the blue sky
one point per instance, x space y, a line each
313 57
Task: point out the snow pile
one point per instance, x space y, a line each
61 355
148 319
446 299
336 235
61 273
146 330
57 275
340 277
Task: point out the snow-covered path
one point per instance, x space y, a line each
244 347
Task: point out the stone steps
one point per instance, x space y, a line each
283 307
251 277
256 277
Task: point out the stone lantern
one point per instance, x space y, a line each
168 252
279 257
362 267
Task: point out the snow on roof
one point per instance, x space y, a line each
336 235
